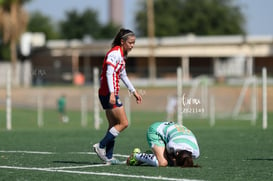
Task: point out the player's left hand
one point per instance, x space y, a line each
138 97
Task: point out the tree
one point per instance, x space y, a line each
4 52
46 27
108 31
78 25
13 21
200 17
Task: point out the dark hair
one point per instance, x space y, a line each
184 159
122 34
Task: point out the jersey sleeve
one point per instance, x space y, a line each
112 59
109 76
126 81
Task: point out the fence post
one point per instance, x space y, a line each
95 96
83 110
212 111
40 103
127 103
179 96
264 71
8 100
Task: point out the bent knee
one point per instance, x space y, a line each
163 163
122 125
125 124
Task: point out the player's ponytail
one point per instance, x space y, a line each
122 34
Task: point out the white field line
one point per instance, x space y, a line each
28 152
61 169
68 167
97 173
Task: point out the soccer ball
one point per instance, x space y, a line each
132 161
65 119
136 150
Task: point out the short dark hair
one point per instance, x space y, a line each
122 34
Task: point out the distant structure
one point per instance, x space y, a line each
116 12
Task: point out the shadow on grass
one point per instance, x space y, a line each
259 159
77 163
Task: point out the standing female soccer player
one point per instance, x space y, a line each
172 144
112 71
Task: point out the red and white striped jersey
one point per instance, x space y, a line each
114 58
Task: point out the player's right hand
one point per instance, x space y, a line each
112 99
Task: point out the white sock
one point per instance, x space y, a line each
150 159
114 131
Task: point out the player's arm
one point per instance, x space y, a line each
109 76
111 63
129 85
170 157
160 154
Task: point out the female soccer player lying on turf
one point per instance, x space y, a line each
172 144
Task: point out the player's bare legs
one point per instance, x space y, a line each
117 122
117 118
159 152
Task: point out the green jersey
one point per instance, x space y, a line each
61 104
174 136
